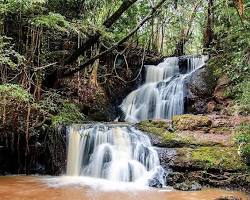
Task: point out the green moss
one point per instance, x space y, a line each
219 158
158 128
190 122
172 139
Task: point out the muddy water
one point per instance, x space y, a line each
37 188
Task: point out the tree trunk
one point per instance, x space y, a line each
93 77
208 35
186 33
94 38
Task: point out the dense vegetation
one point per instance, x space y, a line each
60 58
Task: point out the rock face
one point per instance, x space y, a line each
200 86
199 148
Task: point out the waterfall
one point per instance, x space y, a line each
112 152
162 94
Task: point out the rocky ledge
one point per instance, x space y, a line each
200 150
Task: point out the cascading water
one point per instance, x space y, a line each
162 94
120 153
117 153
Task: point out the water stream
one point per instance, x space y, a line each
116 161
117 153
162 94
120 153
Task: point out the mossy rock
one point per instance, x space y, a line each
158 128
161 136
190 122
210 158
158 132
221 130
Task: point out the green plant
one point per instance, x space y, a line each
13 92
52 21
69 113
8 55
243 96
242 138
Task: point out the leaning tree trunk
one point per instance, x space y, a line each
71 71
94 38
208 35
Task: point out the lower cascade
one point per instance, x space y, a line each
117 153
162 94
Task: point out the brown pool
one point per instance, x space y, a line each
37 188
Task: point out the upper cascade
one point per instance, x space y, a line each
162 94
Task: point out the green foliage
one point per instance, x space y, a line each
243 96
243 139
68 113
13 92
232 41
8 56
52 21
23 6
50 102
178 21
231 51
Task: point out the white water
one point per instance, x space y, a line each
162 94
117 155
111 152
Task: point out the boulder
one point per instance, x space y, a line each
228 198
174 178
188 186
199 86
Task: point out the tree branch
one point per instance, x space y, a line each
91 60
92 39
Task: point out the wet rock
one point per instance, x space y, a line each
165 156
187 186
174 178
154 182
183 63
161 136
228 198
